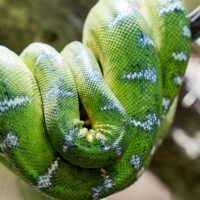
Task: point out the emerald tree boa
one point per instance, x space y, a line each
126 75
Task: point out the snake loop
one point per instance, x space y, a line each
126 74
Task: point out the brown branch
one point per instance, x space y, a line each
194 17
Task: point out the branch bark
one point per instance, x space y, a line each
195 23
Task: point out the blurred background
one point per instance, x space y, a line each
174 173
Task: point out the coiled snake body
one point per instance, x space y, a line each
143 55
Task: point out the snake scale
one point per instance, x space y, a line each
126 75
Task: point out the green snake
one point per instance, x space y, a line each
124 77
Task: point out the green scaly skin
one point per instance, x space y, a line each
130 103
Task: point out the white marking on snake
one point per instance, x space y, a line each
107 184
45 180
7 104
104 146
165 103
117 147
102 139
52 56
55 91
174 6
112 106
117 144
69 138
144 41
44 55
148 125
182 56
135 161
186 32
11 140
179 80
100 136
124 10
148 74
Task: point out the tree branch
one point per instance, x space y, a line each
194 17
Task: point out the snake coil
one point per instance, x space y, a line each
127 74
